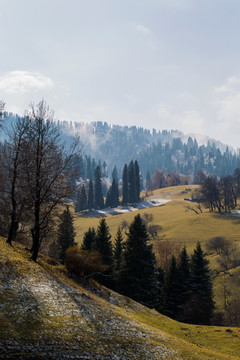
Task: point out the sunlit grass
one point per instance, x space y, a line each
83 325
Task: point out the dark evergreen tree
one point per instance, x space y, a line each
199 308
184 282
137 180
94 165
89 239
90 196
115 174
108 202
112 198
171 290
115 194
117 252
88 166
66 233
132 191
103 243
125 185
82 202
99 202
137 276
160 298
117 256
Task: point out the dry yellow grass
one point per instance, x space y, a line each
179 223
44 311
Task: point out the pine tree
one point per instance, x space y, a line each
115 174
137 276
90 196
108 202
103 243
112 198
88 166
114 194
82 202
137 180
117 252
99 202
66 233
132 192
125 185
184 282
171 290
89 239
199 309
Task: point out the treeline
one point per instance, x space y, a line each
220 194
182 291
91 193
167 150
188 158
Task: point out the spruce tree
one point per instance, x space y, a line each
89 239
137 180
137 276
114 194
82 202
125 185
66 233
103 243
184 282
90 196
199 309
117 252
171 290
132 191
99 202
89 167
108 202
115 174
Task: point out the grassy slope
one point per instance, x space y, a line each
43 311
179 224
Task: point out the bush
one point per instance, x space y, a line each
217 244
84 263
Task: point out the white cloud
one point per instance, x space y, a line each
14 82
143 29
231 85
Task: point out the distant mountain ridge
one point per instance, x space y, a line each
167 150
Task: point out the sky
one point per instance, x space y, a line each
163 64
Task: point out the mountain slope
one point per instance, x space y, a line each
44 314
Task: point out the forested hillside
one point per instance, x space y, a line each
115 145
166 150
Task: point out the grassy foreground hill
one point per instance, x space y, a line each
46 315
182 223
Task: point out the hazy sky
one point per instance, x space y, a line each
164 64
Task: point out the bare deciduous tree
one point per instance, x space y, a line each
164 252
46 169
14 187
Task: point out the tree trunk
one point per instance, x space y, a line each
13 229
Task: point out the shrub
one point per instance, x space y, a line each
216 244
84 263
